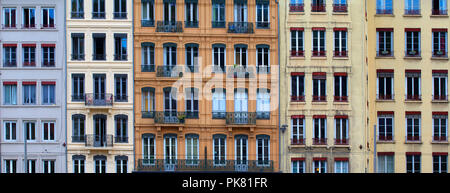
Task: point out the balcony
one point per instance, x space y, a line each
412 53
263 115
413 97
319 141
385 53
218 24
77 15
77 56
439 54
147 68
316 53
98 15
298 98
9 64
169 117
440 98
148 23
299 53
319 98
241 118
191 24
385 97
169 26
296 7
340 54
169 71
99 141
412 138
240 27
120 15
412 11
439 12
341 141
238 71
340 8
219 115
98 100
299 141
148 114
318 7
340 98
187 165
384 11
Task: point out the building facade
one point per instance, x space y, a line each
206 88
99 86
408 80
323 85
32 80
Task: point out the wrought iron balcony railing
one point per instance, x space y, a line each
170 117
440 98
385 96
148 114
219 115
148 68
412 11
99 140
321 98
77 15
9 64
385 138
29 63
241 118
191 114
316 53
299 53
169 26
199 165
263 115
439 12
120 15
341 141
340 98
440 54
413 97
78 138
319 141
300 98
440 138
98 99
296 7
218 24
340 54
384 11
240 27
413 138
318 7
98 15
297 141
169 71
340 8
148 23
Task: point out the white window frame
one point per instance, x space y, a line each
413 163
385 126
219 152
189 7
265 161
340 85
262 7
100 163
219 101
48 16
49 164
439 84
50 97
10 123
29 18
391 42
147 96
384 86
338 35
49 137
409 35
320 163
382 160
121 163
441 159
172 142
439 39
146 15
414 117
299 127
25 128
195 141
9 18
11 164
80 163
13 98
413 84
31 165
299 39
297 164
318 37
341 166
342 131
321 135
440 125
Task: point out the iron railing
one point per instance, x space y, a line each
297 141
296 7
319 141
147 68
77 15
240 118
219 115
263 115
120 15
318 7
148 114
384 11
240 71
199 165
173 71
439 12
147 23
98 15
440 97
218 24
412 11
78 138
98 99
99 140
240 27
169 26
170 117
340 8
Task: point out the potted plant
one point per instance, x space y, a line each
181 117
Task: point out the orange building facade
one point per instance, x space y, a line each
206 85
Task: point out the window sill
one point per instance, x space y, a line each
412 15
412 57
439 101
439 16
385 100
296 57
297 146
384 57
340 58
384 15
319 13
319 102
413 101
318 57
340 13
440 142
296 12
439 58
385 142
341 102
413 142
298 102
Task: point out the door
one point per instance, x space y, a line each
100 131
170 107
170 152
241 152
241 107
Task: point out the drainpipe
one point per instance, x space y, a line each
65 83
279 100
132 88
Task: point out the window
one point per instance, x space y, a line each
341 165
386 162
148 149
385 126
320 165
77 87
78 164
98 9
263 150
298 165
440 85
120 42
100 164
384 6
170 151
78 128
121 164
10 166
77 46
9 17
170 54
9 55
77 9
31 166
192 57
263 103
99 52
48 129
49 166
191 13
30 130
439 7
340 6
298 130
29 92
10 93
120 9
241 152
148 102
29 18
29 55
240 55
218 103
296 6
170 11
297 86
218 58
385 84
440 126
48 17
240 11
170 102
319 47
148 57
263 58
218 14
148 13
341 127
412 83
385 42
219 145
340 87
121 87
121 122
320 130
340 42
192 149
319 87
440 161
48 93
192 105
99 91
412 162
412 43
262 14
413 126
412 7
10 130
318 6
241 102
439 42
48 55
297 42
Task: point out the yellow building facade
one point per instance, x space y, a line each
100 133
323 86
